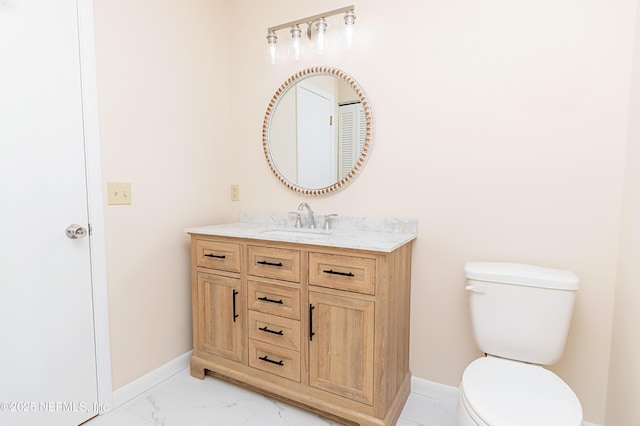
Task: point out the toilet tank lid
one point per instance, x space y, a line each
520 274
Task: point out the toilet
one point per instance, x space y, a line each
520 316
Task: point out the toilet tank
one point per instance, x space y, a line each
521 312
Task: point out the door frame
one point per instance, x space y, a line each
89 88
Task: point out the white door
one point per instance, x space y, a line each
316 159
47 347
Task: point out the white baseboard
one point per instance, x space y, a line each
149 380
427 388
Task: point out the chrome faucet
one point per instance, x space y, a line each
311 223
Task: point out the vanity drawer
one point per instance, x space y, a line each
272 262
218 255
342 272
273 359
283 332
274 299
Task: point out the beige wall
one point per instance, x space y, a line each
163 97
500 126
624 374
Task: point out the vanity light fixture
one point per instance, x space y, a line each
316 31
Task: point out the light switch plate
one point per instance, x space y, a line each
235 192
119 193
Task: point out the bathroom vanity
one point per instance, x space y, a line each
319 319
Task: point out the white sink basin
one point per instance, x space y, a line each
296 233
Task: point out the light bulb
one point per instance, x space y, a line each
296 50
272 48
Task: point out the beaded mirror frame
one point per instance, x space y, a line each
368 141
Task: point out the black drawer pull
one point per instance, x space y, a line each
217 256
311 332
264 262
344 274
279 333
265 358
235 293
266 299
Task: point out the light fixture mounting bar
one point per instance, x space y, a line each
312 18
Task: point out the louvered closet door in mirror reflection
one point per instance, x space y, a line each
352 131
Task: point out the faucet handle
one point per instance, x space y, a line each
327 225
298 219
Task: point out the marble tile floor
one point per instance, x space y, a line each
183 400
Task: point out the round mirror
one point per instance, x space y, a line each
317 131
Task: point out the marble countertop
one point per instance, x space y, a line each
382 235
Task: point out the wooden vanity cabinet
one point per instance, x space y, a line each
323 328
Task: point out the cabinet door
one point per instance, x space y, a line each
341 345
221 304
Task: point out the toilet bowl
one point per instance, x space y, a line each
501 392
520 316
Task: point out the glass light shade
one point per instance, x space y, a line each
272 48
319 36
348 35
296 49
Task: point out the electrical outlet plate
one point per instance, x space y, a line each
119 193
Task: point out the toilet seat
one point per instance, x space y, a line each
501 392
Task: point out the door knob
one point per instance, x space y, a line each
76 231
